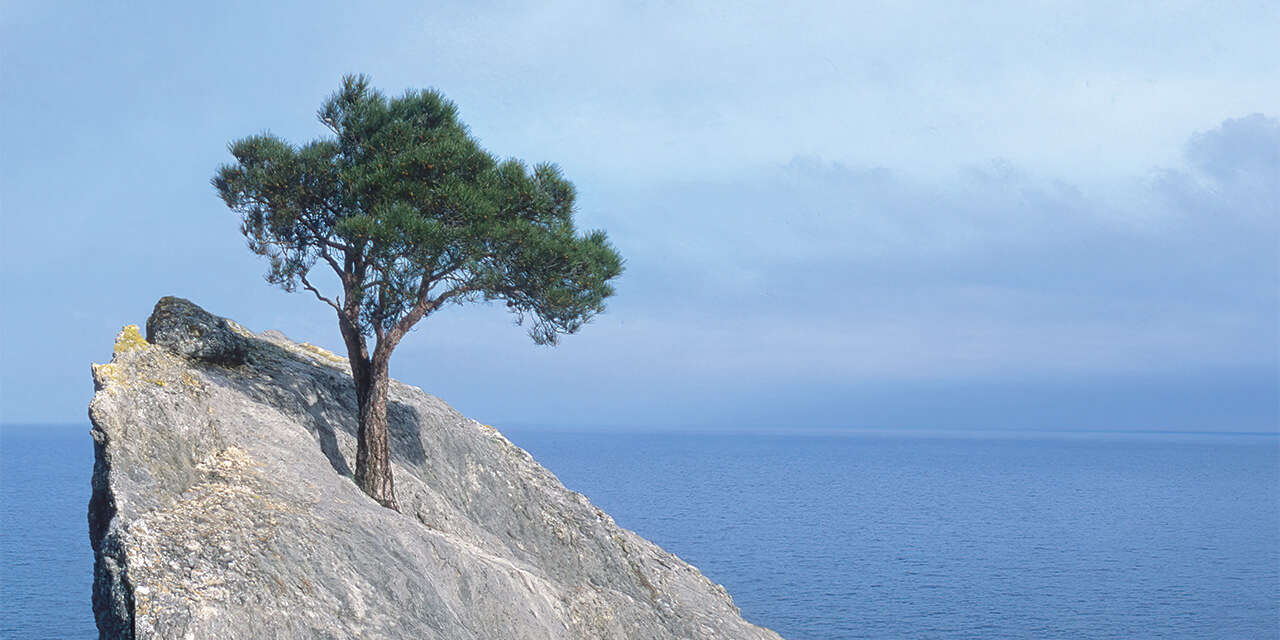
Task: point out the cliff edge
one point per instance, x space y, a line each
223 507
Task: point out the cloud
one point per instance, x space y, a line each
858 273
1247 148
1231 173
822 294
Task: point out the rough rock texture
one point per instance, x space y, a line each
184 328
223 507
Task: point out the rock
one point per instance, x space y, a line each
223 507
183 327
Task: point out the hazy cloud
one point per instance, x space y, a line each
868 273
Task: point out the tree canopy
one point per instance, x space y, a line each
409 212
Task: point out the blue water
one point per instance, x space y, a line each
956 536
46 565
825 537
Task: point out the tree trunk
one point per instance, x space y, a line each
373 446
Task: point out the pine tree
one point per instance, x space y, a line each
411 214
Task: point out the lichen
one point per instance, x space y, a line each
129 339
136 363
323 353
236 327
104 374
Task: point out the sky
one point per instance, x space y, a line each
908 215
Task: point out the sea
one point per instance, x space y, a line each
838 535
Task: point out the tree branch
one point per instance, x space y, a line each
307 285
423 307
337 268
321 238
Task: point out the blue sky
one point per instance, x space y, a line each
1058 215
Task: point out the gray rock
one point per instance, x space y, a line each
274 335
223 507
187 329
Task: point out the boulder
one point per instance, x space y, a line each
186 329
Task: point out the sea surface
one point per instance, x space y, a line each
839 536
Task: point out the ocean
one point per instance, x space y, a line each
835 536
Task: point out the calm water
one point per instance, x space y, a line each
46 566
837 537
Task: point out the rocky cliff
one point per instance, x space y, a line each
223 507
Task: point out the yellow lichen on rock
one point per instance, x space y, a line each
136 363
323 353
236 327
103 374
129 339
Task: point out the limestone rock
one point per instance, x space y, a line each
223 507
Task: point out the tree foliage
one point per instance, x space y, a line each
410 212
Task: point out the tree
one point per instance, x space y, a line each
410 213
